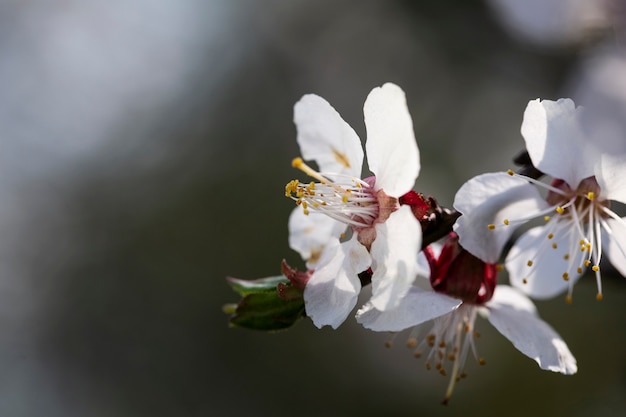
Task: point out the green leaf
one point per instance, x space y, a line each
267 311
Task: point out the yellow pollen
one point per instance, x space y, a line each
510 172
568 299
306 212
529 263
344 198
550 235
579 270
587 262
566 256
591 195
599 296
565 276
581 242
554 246
305 205
491 226
560 210
505 221
595 268
297 162
546 218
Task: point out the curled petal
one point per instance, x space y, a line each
537 269
555 140
392 152
614 244
309 234
394 258
416 307
326 138
509 312
490 199
333 288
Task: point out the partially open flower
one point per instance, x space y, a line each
385 235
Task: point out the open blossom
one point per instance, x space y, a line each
462 287
386 236
578 228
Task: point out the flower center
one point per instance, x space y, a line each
347 199
574 223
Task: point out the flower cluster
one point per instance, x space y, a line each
353 231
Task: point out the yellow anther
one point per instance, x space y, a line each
568 299
482 361
311 186
566 256
587 262
411 342
524 281
560 210
554 245
579 270
591 195
344 198
505 221
546 218
499 267
306 212
491 226
297 162
565 276
595 268
305 205
581 242
510 172
599 296
550 235
388 344
529 263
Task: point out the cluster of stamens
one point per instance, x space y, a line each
575 216
344 198
447 344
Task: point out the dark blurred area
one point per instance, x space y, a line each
144 153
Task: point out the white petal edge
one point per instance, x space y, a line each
528 333
555 140
309 234
392 153
490 199
611 176
614 244
394 258
326 138
416 307
544 279
332 291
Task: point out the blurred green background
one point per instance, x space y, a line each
144 152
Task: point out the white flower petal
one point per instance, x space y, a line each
555 142
332 291
325 137
416 307
392 152
528 333
492 198
544 278
308 234
394 258
614 244
611 176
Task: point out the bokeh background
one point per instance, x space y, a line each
144 148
